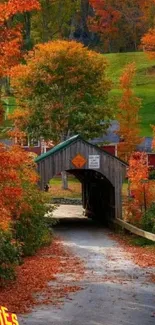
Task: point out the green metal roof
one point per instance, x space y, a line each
59 147
68 142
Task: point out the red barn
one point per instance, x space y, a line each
151 160
110 148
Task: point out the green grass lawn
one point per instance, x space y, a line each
74 188
9 106
144 83
57 180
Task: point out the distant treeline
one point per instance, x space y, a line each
107 26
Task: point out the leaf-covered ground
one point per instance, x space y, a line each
142 256
41 279
36 279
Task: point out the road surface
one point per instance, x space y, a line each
115 290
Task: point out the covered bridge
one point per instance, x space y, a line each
100 173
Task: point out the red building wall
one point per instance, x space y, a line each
36 150
112 149
151 160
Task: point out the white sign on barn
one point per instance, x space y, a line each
94 161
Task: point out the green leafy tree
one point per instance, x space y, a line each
54 20
63 90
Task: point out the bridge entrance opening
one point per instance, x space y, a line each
98 195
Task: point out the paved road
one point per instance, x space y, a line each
115 290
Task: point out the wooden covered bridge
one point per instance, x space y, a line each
100 173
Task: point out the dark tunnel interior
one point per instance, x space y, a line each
98 194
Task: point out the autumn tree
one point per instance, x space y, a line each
64 89
121 24
128 115
148 42
105 19
11 34
141 188
17 173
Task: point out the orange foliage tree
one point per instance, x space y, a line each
142 189
105 19
128 115
16 167
17 174
11 33
148 42
120 19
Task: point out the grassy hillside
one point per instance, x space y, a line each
144 84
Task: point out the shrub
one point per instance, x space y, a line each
152 174
148 220
141 242
9 257
32 231
31 228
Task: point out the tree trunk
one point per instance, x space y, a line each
79 29
45 21
64 177
27 21
64 180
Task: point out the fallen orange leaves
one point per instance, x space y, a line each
142 256
153 278
32 284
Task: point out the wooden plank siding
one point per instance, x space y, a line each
111 167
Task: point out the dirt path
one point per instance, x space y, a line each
115 290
